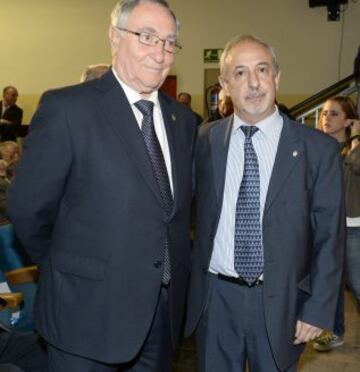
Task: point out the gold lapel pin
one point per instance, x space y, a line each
295 154
173 117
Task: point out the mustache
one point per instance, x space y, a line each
255 94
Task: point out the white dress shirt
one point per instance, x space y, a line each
265 142
159 125
3 109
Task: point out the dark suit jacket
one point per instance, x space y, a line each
86 205
303 230
14 113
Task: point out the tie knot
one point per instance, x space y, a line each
249 130
145 106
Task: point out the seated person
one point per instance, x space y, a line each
94 72
10 152
20 351
224 107
10 114
185 99
9 256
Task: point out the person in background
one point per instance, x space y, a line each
270 225
10 114
224 107
103 204
185 99
21 351
340 120
10 152
4 185
94 71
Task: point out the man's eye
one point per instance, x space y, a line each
147 37
170 43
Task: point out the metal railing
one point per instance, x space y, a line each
308 111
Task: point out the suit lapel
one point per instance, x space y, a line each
219 139
119 115
290 150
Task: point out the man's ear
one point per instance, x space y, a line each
114 39
224 84
277 80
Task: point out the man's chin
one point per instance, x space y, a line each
148 88
253 116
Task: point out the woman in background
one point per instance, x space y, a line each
340 120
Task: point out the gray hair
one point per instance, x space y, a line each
92 72
123 8
251 38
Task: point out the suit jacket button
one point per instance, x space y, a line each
205 270
157 264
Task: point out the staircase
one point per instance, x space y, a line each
308 111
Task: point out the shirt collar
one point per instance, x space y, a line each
268 126
134 96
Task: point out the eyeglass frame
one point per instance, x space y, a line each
177 46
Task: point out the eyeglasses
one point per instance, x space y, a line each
170 45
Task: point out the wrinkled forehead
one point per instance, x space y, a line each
154 18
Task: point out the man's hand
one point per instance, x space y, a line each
305 332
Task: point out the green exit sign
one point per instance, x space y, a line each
212 55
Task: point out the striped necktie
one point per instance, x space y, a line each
159 167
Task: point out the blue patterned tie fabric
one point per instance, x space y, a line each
248 250
158 164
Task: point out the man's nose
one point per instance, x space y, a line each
254 80
159 52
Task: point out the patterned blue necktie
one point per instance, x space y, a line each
248 250
158 164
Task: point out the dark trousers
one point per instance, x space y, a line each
22 352
232 332
339 324
155 355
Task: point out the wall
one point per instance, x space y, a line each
47 43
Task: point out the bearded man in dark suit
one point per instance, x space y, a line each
270 225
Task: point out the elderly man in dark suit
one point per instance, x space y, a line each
270 225
101 201
10 114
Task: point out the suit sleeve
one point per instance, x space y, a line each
19 116
34 196
328 236
352 161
